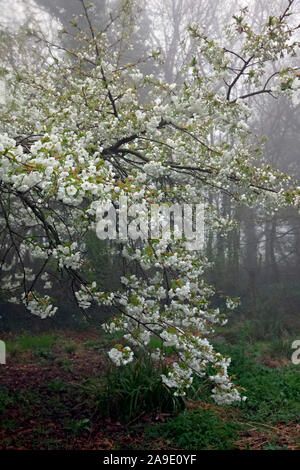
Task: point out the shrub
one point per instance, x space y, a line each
129 391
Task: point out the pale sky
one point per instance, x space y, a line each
15 12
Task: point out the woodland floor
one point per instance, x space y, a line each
43 404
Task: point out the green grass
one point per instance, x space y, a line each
5 399
95 344
70 347
65 364
282 346
275 348
77 426
197 430
8 424
28 342
272 394
23 399
56 386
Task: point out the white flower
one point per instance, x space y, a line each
71 190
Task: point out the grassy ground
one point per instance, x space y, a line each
58 391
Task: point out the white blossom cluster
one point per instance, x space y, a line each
40 306
121 356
